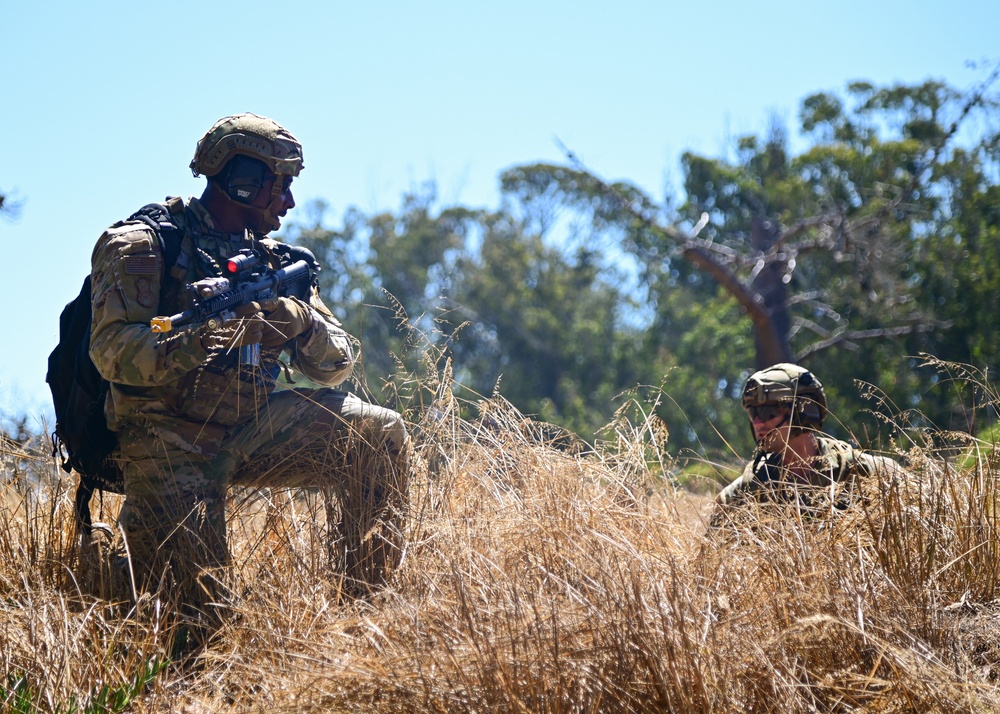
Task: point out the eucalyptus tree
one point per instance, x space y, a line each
484 297
544 326
386 273
820 252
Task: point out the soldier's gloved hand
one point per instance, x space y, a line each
284 320
246 328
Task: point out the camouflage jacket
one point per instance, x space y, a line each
836 470
169 380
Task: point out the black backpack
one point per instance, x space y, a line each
82 437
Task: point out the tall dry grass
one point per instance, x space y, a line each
539 575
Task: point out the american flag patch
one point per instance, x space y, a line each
140 264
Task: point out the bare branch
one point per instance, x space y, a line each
830 220
851 336
700 258
812 326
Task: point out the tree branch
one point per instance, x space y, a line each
851 336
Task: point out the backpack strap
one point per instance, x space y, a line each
167 221
81 506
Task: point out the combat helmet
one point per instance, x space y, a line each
248 135
222 155
787 383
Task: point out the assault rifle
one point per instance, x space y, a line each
213 300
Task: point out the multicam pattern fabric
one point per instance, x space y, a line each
171 378
192 422
836 470
251 135
174 517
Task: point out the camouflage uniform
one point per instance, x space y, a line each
836 470
191 422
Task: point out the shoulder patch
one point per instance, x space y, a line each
130 240
144 293
129 229
141 265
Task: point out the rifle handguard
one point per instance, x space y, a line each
218 296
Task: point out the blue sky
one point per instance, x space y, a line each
104 102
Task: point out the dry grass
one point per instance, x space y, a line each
538 577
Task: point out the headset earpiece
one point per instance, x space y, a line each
806 414
241 193
244 178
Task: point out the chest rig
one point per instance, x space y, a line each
228 389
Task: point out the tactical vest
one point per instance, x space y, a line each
222 391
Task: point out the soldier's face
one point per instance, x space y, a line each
767 418
274 208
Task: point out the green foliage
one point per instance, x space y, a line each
876 242
828 252
111 700
385 275
19 696
487 294
545 325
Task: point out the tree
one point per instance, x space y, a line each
485 296
385 274
820 252
545 326
873 244
959 269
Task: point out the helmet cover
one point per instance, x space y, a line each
248 135
791 384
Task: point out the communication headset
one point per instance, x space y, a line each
243 178
806 413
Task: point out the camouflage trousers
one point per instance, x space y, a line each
174 517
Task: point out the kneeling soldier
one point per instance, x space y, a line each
195 410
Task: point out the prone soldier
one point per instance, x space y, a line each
793 461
